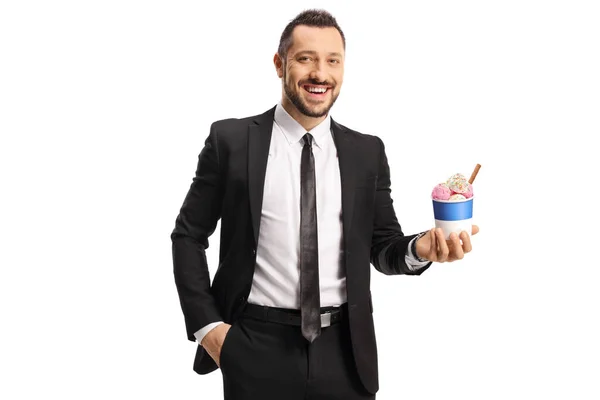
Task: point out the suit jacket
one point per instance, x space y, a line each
228 185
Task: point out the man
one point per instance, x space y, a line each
305 208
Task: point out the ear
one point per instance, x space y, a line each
278 64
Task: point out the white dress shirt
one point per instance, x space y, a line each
276 281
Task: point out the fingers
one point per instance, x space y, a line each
456 252
438 249
466 241
442 246
432 246
451 249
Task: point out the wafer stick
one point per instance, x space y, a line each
474 174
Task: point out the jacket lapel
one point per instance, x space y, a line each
259 140
347 161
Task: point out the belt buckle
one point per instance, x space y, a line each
325 320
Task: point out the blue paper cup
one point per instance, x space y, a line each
453 216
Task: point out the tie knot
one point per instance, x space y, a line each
308 139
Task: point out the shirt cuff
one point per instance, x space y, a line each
202 332
413 263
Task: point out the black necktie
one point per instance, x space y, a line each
310 302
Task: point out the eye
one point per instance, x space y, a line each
334 61
304 58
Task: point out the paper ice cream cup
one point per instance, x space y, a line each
453 216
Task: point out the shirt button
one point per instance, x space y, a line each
254 251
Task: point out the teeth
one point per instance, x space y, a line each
316 90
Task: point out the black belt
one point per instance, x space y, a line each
329 315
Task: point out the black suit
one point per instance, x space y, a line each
229 185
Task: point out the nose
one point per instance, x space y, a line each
318 72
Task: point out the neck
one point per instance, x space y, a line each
307 122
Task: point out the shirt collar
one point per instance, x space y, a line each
294 132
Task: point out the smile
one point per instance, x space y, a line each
316 90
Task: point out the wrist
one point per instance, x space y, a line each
414 247
208 338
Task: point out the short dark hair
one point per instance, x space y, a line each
312 17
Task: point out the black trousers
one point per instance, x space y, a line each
263 360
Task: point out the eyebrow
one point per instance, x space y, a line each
312 52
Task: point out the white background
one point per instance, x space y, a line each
104 108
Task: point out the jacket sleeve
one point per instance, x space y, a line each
389 245
196 221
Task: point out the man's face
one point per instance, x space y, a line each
313 70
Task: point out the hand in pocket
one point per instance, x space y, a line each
213 341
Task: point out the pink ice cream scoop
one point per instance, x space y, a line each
441 192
